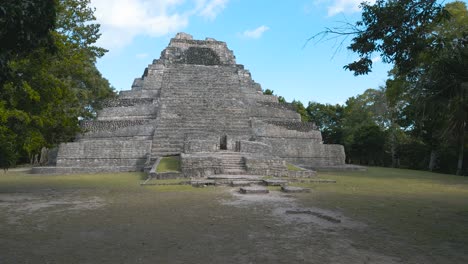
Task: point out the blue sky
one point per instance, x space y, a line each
267 37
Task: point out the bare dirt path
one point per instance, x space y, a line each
311 233
200 226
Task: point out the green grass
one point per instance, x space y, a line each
292 167
124 181
406 212
169 164
11 181
423 208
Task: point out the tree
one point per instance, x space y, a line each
300 109
368 145
427 43
329 119
24 26
268 92
399 31
436 86
8 154
49 92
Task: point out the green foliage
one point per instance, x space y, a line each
400 31
425 102
292 167
268 92
74 25
169 164
49 90
329 120
24 25
8 154
435 90
368 145
301 110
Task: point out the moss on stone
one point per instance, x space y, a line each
169 164
292 167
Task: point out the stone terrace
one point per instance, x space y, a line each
197 102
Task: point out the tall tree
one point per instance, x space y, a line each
329 120
24 26
399 31
50 91
437 85
427 43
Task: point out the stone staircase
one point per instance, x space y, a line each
233 163
198 98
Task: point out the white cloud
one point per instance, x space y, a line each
141 55
122 20
376 59
212 8
255 33
345 6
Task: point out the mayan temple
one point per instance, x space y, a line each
196 102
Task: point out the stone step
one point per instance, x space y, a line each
234 171
293 189
254 190
235 177
233 164
275 182
202 183
232 160
240 183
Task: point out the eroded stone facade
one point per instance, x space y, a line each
197 102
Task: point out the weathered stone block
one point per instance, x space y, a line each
254 190
293 189
275 182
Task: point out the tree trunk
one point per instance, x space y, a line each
433 159
461 149
395 159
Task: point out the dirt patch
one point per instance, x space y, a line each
285 208
306 222
20 205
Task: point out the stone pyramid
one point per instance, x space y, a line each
195 101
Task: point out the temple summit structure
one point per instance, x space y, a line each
196 102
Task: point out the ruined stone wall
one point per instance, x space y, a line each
307 153
267 113
269 130
258 148
298 143
111 125
130 112
108 154
200 166
183 47
139 132
193 146
295 125
277 105
152 76
196 98
196 88
267 166
126 102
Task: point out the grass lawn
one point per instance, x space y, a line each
427 212
405 216
169 164
292 167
